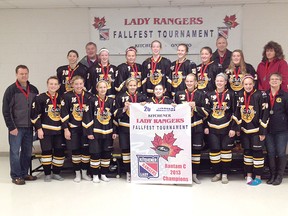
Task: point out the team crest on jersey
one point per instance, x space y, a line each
202 82
138 77
77 112
104 117
148 166
68 86
247 115
236 83
177 80
54 114
156 77
278 100
109 80
219 112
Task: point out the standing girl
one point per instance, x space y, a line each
73 105
45 115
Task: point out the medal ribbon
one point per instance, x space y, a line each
133 98
159 102
71 72
101 104
154 64
190 97
272 99
105 73
203 71
177 67
80 102
53 99
220 102
237 72
27 92
134 69
247 100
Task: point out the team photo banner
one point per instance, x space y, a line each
117 29
160 137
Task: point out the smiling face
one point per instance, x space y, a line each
72 58
102 88
156 47
190 83
91 51
132 87
248 84
221 44
78 85
181 52
22 75
220 83
270 54
53 85
104 57
159 91
275 81
131 57
236 58
205 56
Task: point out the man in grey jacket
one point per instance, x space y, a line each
16 108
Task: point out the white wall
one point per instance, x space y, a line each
41 39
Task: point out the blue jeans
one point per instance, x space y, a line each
276 144
20 152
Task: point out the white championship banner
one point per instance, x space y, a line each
117 29
160 137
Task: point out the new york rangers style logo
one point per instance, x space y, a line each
148 166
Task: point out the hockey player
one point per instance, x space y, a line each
156 70
99 127
253 108
180 69
159 97
67 72
206 71
221 128
199 111
103 71
122 115
73 104
45 116
129 69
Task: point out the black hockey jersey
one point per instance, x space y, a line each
72 108
253 112
155 73
235 77
45 113
65 74
123 117
201 110
222 117
98 117
206 75
178 73
126 71
108 73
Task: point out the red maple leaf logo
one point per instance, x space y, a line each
164 147
99 23
230 21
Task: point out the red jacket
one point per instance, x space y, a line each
274 66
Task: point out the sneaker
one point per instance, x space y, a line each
104 178
195 179
18 181
47 178
86 177
224 180
96 179
255 182
30 178
216 178
57 177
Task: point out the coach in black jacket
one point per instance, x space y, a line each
16 108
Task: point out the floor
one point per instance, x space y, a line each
120 198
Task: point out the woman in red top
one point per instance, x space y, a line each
272 61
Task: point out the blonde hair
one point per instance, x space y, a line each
129 80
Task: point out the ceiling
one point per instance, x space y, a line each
16 4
